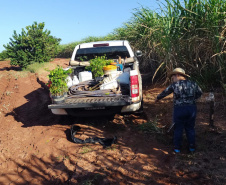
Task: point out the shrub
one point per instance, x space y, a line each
32 45
97 64
3 55
57 81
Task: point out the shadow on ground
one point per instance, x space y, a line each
137 158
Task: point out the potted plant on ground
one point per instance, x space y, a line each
57 84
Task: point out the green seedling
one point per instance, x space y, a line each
86 149
8 93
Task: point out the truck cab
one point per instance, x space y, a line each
125 96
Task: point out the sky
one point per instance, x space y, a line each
70 20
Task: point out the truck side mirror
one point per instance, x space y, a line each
138 53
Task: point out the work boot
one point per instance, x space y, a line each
176 150
191 148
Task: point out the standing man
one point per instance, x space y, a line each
185 94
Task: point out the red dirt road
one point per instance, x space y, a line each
35 146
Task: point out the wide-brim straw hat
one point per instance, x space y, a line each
179 71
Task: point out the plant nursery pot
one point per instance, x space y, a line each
58 99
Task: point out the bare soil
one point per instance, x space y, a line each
35 145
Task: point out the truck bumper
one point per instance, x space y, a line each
100 106
124 109
59 111
131 108
90 104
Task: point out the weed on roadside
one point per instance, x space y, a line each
8 93
151 127
112 148
18 74
6 106
86 149
39 67
62 157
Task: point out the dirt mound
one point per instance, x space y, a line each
35 145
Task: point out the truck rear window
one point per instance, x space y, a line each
111 52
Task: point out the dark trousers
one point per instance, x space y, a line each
184 118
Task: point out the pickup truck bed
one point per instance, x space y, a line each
92 102
83 100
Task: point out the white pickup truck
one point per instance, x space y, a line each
128 98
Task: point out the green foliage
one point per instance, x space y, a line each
97 64
151 127
188 34
86 149
57 81
3 55
32 45
33 68
66 50
39 67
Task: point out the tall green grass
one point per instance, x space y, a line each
40 67
188 34
182 33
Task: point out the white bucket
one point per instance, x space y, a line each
112 76
84 76
109 85
75 80
69 81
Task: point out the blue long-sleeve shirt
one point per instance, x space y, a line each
185 92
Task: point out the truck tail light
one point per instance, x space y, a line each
134 86
134 82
